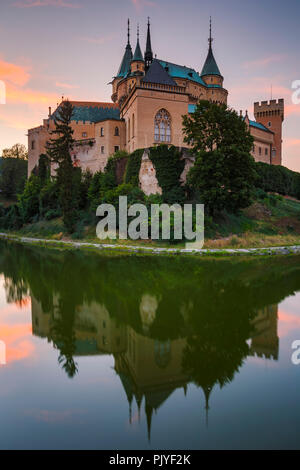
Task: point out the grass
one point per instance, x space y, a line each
271 221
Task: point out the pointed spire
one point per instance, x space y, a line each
148 53
125 64
149 412
210 67
210 39
207 391
138 53
128 33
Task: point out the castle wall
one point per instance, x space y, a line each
93 157
263 143
144 105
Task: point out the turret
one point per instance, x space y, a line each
210 72
148 52
125 64
137 62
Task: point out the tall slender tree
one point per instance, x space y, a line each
59 151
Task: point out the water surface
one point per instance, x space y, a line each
148 352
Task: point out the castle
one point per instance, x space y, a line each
149 98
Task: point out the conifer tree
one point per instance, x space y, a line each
59 151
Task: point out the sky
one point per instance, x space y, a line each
73 48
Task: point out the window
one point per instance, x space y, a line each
117 131
266 151
117 148
128 130
133 125
33 145
259 150
273 153
102 132
102 149
269 124
162 126
84 134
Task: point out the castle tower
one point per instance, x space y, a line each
137 63
210 72
125 64
271 115
148 52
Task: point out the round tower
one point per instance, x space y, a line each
212 76
137 65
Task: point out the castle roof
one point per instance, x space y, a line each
260 126
158 74
181 71
210 66
148 52
92 111
124 68
138 53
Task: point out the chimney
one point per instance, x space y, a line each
50 112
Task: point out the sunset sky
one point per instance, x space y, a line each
50 48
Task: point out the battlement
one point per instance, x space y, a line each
269 108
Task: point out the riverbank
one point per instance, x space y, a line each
142 249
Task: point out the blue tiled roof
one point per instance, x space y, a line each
210 66
138 53
260 126
213 86
93 113
180 71
125 64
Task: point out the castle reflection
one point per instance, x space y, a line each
152 368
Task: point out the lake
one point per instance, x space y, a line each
144 352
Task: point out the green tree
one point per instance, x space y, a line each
224 173
44 168
13 176
58 150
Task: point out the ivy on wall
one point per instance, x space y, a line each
133 167
169 167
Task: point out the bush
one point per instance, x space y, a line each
49 199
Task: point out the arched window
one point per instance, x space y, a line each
162 126
117 131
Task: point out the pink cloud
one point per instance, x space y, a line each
68 86
263 62
99 40
287 323
46 3
289 142
143 3
13 73
18 341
